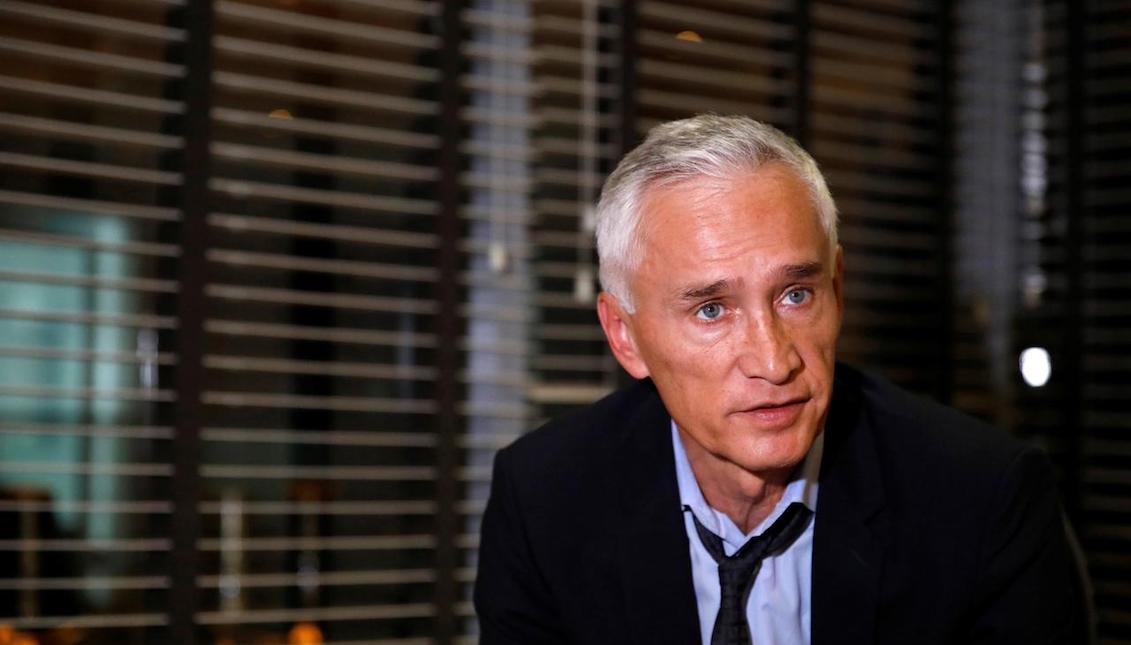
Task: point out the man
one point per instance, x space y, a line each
748 488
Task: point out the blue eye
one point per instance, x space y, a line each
797 296
710 311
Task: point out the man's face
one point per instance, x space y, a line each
738 307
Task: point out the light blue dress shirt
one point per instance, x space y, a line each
778 609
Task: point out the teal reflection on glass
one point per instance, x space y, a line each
56 369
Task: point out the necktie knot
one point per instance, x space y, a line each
737 572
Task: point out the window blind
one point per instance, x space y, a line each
1085 258
499 88
878 133
990 46
1105 246
88 180
719 56
319 460
576 71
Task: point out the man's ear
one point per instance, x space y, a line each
618 331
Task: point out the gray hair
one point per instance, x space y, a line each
707 145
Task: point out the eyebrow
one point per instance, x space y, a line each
706 291
714 289
802 271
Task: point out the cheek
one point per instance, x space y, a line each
818 335
686 353
672 348
689 374
682 367
696 361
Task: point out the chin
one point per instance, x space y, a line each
776 454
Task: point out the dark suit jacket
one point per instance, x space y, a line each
930 528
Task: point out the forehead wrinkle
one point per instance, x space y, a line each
699 190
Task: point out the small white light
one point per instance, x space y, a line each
589 219
583 291
497 257
1036 366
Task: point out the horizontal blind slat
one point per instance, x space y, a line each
265 17
92 21
88 58
86 95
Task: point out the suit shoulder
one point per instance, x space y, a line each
939 466
918 428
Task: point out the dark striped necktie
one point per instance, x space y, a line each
737 572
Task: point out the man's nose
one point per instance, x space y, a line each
768 351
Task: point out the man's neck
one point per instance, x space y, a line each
745 497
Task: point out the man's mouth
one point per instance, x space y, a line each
775 413
782 404
774 405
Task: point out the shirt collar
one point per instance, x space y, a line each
802 488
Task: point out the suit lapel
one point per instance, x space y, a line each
847 558
655 563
